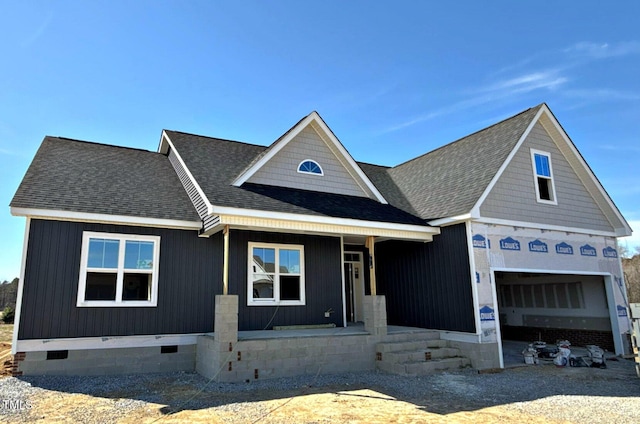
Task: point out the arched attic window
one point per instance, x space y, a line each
309 166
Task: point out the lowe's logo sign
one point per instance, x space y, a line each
480 242
587 250
509 244
564 249
487 314
538 246
622 311
609 252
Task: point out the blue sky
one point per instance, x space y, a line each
392 79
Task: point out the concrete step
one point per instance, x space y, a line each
413 336
420 355
423 368
410 345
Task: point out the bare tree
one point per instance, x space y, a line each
631 268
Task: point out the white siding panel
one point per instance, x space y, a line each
282 169
514 196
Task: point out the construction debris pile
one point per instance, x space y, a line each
561 355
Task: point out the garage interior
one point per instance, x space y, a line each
550 307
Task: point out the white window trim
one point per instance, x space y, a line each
321 174
554 200
276 283
118 302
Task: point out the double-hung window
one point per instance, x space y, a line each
276 274
118 270
543 177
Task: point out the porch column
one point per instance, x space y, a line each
370 244
225 262
374 306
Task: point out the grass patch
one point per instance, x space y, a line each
6 333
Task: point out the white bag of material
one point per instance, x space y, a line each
562 358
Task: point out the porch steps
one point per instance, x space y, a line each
418 354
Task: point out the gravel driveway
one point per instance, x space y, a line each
542 393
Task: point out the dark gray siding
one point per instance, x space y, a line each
427 285
323 281
190 275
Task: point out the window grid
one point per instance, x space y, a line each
278 280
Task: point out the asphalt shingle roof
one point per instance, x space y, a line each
216 163
450 180
80 176
88 177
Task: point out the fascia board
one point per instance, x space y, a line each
105 218
443 222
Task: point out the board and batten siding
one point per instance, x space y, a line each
282 169
513 197
323 281
427 285
190 275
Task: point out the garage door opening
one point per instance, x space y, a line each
550 307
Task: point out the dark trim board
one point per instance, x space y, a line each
323 281
190 275
428 285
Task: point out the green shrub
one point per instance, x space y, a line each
8 315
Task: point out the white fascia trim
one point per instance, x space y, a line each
475 211
589 172
16 326
443 222
186 169
254 213
312 117
105 219
107 342
537 226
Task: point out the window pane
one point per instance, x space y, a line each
289 287
103 253
517 295
574 295
136 287
528 297
537 293
507 299
100 286
289 261
264 260
542 165
138 255
561 292
262 286
550 296
543 188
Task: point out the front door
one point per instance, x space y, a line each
353 286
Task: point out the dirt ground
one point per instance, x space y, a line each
341 406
